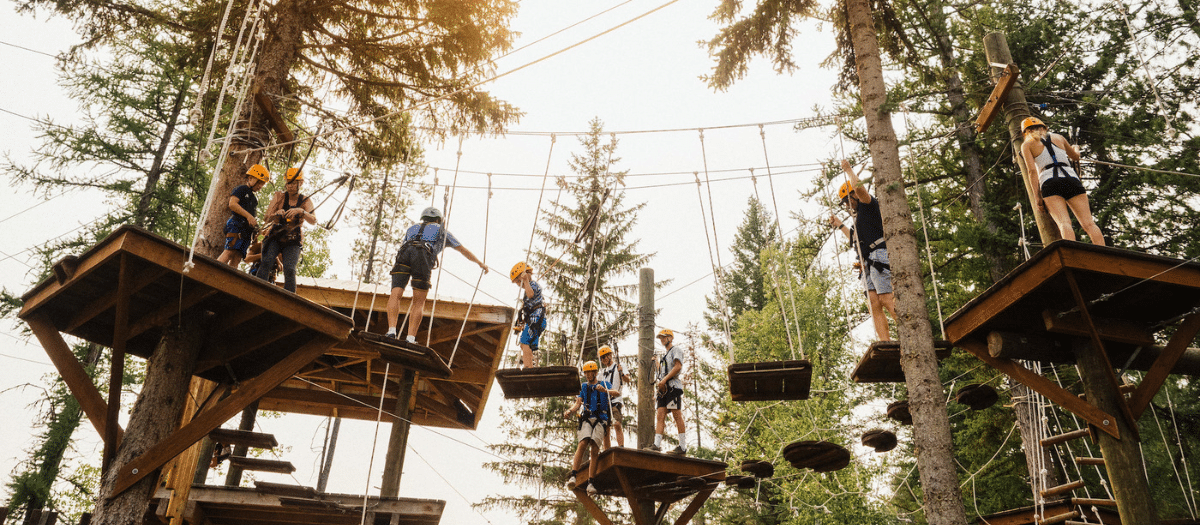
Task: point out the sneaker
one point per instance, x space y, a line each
571 482
411 339
678 451
653 448
390 335
591 489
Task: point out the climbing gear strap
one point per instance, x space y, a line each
1054 164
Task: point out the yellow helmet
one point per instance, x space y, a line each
518 269
294 174
665 332
604 350
259 172
590 366
1030 122
844 191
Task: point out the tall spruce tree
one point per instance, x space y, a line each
591 291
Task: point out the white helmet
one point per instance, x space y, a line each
431 213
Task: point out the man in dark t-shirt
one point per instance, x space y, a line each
871 246
242 225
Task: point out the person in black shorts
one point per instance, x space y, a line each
417 259
668 385
1054 181
241 226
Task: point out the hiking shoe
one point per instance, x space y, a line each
390 335
653 448
411 339
591 489
571 483
678 451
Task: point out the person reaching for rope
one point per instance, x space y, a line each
416 260
595 397
668 388
531 319
867 235
241 226
289 209
1055 182
615 376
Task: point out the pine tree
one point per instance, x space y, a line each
592 306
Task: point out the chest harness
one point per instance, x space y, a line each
1055 164
418 242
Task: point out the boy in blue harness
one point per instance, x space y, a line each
416 261
594 397
531 319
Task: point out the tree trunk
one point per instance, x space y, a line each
141 216
935 461
275 61
155 415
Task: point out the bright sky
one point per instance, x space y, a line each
641 77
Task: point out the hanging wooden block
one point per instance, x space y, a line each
546 381
759 468
879 439
820 456
978 396
735 481
899 412
747 482
770 380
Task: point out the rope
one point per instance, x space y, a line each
925 229
233 63
717 243
486 217
194 114
1152 170
1146 68
779 231
447 198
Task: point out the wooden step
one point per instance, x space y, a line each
1087 502
1096 462
316 503
229 436
284 489
1057 519
1066 487
1061 438
262 465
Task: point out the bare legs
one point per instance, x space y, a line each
880 303
1083 212
415 309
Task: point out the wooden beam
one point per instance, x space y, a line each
1008 78
589 504
1043 386
1098 346
72 373
92 259
695 504
106 301
212 418
190 298
1010 345
1115 330
236 347
1162 366
116 374
1002 298
268 108
631 494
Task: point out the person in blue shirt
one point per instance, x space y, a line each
871 246
595 399
531 319
242 225
416 260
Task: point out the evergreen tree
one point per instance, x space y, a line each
745 280
593 306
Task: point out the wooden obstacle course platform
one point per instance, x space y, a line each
879 439
221 505
644 476
539 382
758 468
881 363
770 380
977 396
820 456
1072 280
401 353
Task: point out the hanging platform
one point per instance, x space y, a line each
820 456
1052 508
880 440
544 381
977 396
881 363
221 505
1070 294
643 476
770 380
758 468
899 412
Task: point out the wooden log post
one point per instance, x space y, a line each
233 478
995 46
393 466
942 503
645 373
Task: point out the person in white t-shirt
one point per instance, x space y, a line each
612 373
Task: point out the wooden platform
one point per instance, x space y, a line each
219 505
1027 515
640 475
452 384
543 381
881 363
770 380
1063 292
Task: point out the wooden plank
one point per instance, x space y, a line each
1116 330
116 374
212 418
262 465
283 489
106 301
1137 265
1043 386
982 309
693 507
1162 366
191 297
90 260
1008 78
268 108
235 347
72 372
229 436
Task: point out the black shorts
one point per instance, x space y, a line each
415 263
1065 187
672 399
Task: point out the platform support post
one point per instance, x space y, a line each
393 465
645 376
233 478
1122 457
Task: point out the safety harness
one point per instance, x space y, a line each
592 397
418 241
1057 166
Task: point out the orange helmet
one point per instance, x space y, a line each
844 191
517 270
665 332
590 366
259 172
604 350
294 174
1030 122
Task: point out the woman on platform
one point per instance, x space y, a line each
1055 182
288 211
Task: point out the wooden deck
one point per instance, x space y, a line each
219 505
770 380
642 476
881 363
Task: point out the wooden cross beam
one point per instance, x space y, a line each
1008 78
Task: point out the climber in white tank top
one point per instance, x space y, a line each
1055 183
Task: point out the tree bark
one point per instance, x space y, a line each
155 415
141 216
935 461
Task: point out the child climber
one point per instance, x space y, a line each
595 398
242 225
531 319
